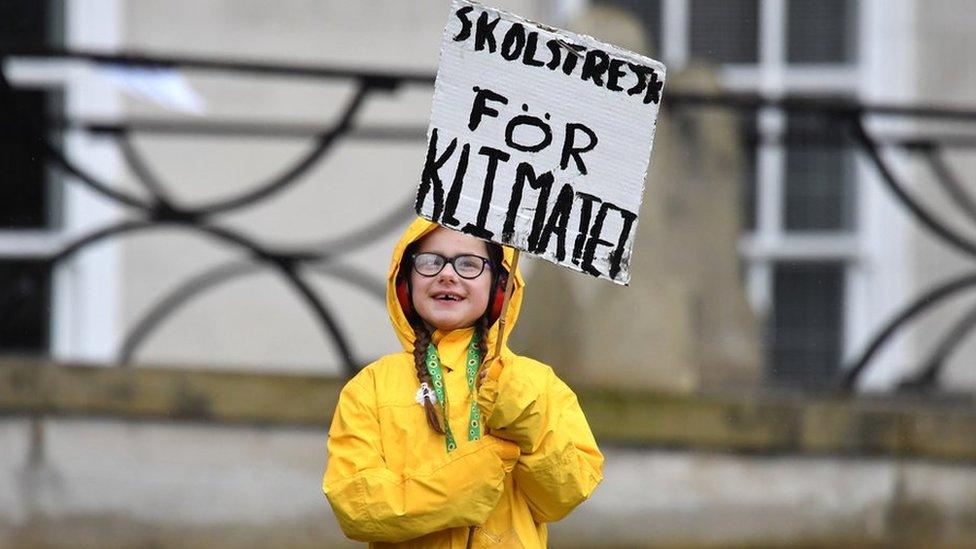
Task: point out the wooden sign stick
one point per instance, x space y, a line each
509 286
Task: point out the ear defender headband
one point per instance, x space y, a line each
404 290
403 296
497 299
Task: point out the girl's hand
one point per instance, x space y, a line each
496 364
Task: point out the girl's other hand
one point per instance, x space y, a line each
493 369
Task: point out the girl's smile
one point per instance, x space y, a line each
446 300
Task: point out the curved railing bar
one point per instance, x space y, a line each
353 276
950 183
77 245
924 217
290 175
921 304
283 264
176 299
216 276
91 181
929 373
325 316
8 108
286 268
396 218
143 172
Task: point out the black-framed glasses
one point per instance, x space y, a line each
465 265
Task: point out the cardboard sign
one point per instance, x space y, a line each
540 139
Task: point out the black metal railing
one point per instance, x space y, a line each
161 210
853 115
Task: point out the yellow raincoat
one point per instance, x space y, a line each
390 479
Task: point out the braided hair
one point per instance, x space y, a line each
420 343
422 335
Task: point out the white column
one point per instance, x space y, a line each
85 320
675 36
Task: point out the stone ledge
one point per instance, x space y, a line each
169 393
757 422
798 423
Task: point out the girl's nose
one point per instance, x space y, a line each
448 273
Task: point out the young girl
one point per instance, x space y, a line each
428 449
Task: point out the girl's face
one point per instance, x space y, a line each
447 301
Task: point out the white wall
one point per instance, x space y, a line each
945 44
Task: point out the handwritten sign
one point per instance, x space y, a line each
540 139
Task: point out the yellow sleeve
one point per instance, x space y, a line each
560 465
373 503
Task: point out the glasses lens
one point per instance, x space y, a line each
468 266
428 264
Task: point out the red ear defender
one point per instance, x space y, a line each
403 296
497 298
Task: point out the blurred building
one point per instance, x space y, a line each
828 256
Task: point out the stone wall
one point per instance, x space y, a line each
118 483
108 457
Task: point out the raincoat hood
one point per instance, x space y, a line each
401 325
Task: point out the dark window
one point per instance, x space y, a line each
819 175
26 24
824 31
648 12
804 334
725 31
30 196
25 296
